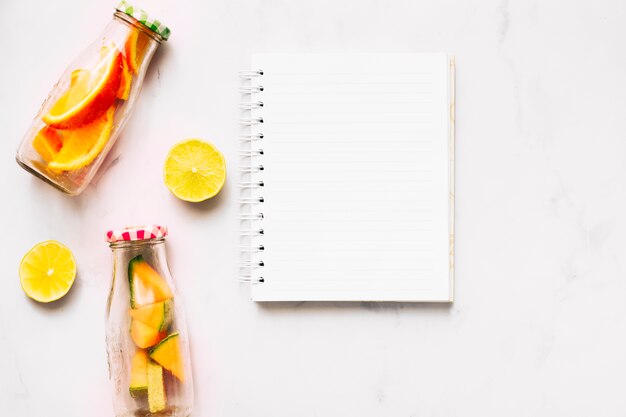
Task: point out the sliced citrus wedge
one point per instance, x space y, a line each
47 271
194 170
135 49
82 145
47 143
90 94
78 76
127 76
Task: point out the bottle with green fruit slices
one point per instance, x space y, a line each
146 334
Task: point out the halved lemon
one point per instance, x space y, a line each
47 271
90 94
82 145
194 170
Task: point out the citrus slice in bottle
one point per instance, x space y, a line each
47 271
124 91
47 143
194 170
135 48
90 94
82 145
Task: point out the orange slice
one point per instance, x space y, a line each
127 77
47 143
82 145
135 48
77 75
90 94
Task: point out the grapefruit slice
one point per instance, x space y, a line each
135 49
47 143
90 94
127 77
82 145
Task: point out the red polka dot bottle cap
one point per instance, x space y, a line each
136 233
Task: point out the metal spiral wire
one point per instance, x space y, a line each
251 182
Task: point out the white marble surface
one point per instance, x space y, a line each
538 327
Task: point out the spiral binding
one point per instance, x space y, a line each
251 106
251 183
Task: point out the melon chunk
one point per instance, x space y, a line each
139 373
158 315
168 354
143 335
156 390
146 285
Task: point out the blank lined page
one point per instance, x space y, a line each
356 173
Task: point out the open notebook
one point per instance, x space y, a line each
347 180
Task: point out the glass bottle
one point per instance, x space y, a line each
146 334
87 108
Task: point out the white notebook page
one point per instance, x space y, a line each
356 196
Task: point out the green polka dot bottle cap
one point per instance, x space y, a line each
144 18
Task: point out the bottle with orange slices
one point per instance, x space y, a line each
84 113
147 342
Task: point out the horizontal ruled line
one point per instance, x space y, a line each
347 73
335 112
269 104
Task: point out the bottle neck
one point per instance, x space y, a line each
124 249
137 25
